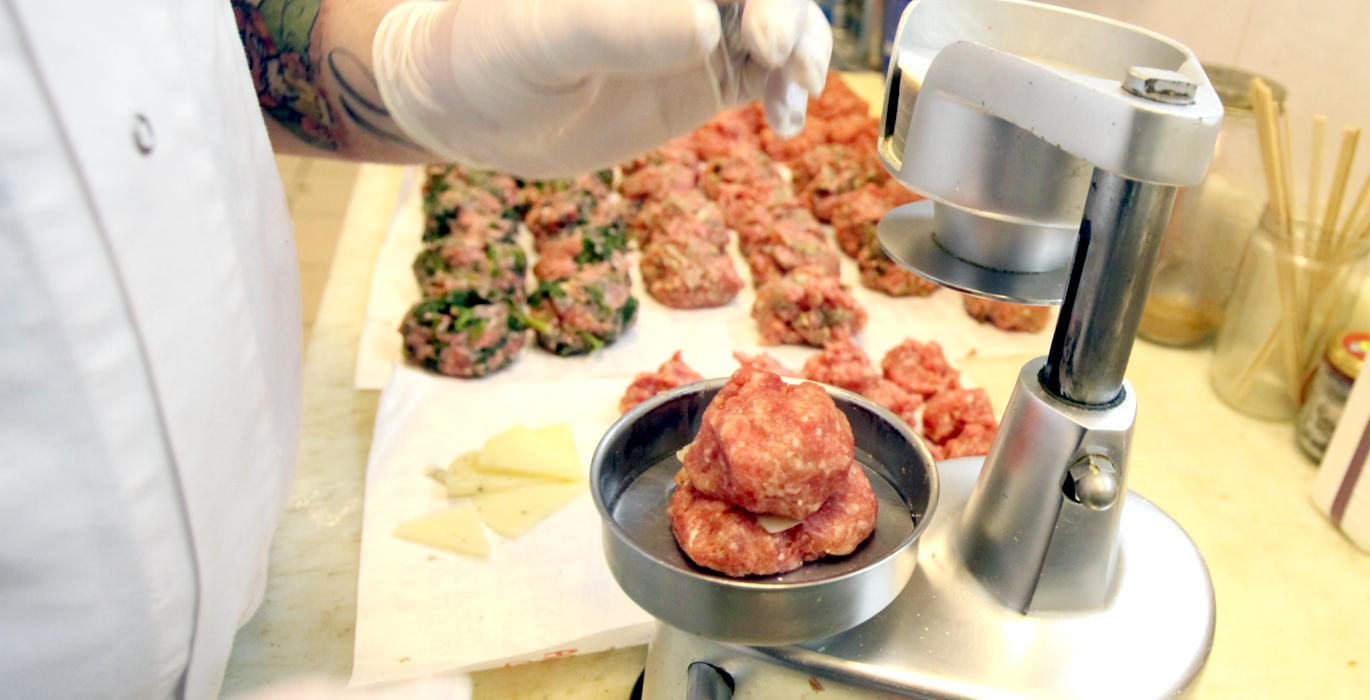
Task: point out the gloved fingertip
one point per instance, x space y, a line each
708 28
771 28
786 103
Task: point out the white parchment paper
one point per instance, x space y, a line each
708 336
549 593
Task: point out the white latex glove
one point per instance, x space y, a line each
545 88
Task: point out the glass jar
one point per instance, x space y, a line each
1210 224
1286 305
1326 396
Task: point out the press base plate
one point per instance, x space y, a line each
908 235
945 637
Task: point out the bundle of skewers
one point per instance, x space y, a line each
1320 244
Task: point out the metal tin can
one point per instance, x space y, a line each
1327 393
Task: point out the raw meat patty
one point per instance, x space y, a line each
807 306
727 539
948 413
1006 316
920 368
844 521
764 361
770 447
462 334
689 274
842 364
671 374
720 536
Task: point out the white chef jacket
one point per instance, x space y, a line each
149 347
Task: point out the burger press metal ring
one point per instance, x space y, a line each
631 480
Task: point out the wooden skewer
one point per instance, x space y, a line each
1310 223
1350 136
1353 216
1291 323
1287 158
1265 130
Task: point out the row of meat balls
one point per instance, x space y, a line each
472 272
914 380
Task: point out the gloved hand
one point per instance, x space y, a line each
545 88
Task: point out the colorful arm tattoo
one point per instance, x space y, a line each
277 36
291 69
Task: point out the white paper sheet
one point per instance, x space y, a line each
549 593
708 336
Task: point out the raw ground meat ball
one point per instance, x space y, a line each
973 440
895 399
774 254
857 131
920 368
686 228
508 189
462 334
582 247
717 535
656 216
720 536
671 374
680 151
659 181
960 422
727 131
898 194
949 412
807 307
689 274
747 207
746 167
815 134
837 100
1007 316
584 312
460 209
826 173
855 215
782 216
844 521
764 361
770 447
566 204
842 364
883 274
493 268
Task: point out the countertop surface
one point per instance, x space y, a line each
1293 595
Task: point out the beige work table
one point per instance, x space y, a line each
1293 595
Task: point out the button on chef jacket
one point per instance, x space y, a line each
149 347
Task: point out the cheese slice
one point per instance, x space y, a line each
463 479
559 437
512 513
775 523
456 528
521 451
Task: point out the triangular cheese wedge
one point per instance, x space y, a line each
457 529
519 450
462 479
559 437
511 513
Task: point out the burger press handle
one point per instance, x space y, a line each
708 682
1050 145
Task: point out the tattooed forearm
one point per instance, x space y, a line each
278 37
360 98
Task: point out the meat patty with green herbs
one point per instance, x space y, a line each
462 334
